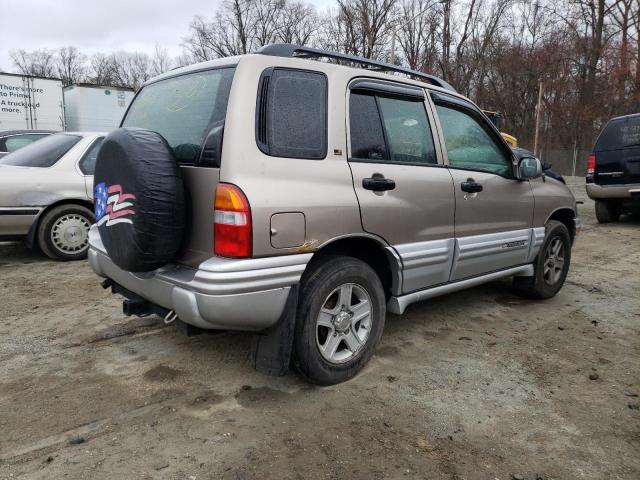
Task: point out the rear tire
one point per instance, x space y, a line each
551 265
608 211
63 232
341 315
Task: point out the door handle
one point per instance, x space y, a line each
471 186
378 184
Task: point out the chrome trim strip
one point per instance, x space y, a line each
398 305
607 174
20 210
482 245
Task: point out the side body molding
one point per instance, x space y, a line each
425 263
427 269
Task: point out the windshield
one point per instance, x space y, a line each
42 153
620 133
182 109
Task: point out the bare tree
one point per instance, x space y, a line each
417 29
160 60
297 23
363 25
71 65
40 63
130 69
100 70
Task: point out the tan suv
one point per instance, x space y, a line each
303 199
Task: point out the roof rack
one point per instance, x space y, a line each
291 50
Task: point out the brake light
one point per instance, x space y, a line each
231 222
591 164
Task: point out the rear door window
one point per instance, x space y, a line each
390 129
291 118
620 133
43 153
183 109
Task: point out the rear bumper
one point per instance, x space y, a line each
229 294
596 192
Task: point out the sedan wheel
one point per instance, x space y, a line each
63 232
70 233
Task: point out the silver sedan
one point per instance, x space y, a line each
46 193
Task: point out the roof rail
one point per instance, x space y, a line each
291 50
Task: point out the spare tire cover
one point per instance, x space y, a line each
139 199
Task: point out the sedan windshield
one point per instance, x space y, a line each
43 153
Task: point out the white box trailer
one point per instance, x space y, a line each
92 108
30 103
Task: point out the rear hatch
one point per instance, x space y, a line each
617 152
188 110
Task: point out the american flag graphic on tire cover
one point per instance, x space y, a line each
113 205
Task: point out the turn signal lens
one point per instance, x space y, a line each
591 164
232 222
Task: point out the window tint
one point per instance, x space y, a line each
181 109
43 153
16 142
469 145
88 162
403 135
367 137
620 133
292 114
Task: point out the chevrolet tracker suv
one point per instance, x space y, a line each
613 168
303 200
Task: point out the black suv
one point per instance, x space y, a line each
613 168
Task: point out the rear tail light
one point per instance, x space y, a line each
591 164
231 222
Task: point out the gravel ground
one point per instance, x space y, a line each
480 384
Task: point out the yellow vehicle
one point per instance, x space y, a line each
496 119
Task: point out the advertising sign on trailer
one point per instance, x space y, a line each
30 103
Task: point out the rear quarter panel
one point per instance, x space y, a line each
40 187
322 190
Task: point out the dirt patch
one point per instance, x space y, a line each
162 373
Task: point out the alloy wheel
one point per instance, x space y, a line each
344 323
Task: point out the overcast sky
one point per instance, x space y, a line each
100 25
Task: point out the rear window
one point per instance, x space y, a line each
292 114
43 153
620 133
183 109
16 142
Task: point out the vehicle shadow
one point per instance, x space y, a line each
18 252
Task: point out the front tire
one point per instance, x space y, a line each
341 317
608 211
63 232
551 265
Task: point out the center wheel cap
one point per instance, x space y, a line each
342 321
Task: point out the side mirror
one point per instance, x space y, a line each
529 167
